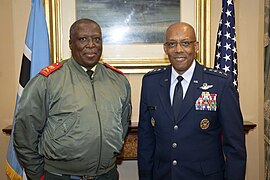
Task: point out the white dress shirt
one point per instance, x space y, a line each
185 82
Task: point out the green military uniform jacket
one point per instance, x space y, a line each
69 124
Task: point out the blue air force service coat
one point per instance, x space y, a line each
205 141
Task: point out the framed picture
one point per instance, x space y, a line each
133 31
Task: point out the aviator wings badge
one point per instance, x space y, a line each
205 86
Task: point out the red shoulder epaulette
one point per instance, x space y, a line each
113 68
50 69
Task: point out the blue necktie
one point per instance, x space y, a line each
177 97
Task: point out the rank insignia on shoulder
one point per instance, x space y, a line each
113 68
155 71
215 72
204 124
50 69
153 122
206 102
205 86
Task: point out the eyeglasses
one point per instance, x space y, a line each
184 44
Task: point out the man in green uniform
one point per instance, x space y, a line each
73 116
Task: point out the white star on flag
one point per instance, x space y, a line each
218 55
228 24
227 46
226 43
229 2
226 68
227 57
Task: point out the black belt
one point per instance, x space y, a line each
85 177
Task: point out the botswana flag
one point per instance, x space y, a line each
36 56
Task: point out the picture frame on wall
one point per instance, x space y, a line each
133 31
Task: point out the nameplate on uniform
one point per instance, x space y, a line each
151 107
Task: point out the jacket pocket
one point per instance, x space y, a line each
67 124
206 167
212 166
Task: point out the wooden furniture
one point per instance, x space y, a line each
130 147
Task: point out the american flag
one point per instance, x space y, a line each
226 54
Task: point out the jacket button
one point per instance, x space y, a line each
174 162
175 127
174 145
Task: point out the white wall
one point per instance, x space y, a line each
13 18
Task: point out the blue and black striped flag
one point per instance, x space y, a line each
36 56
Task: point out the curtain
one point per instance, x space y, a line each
267 88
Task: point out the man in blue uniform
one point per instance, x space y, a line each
191 130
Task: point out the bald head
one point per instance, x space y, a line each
181 46
74 27
180 27
85 42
